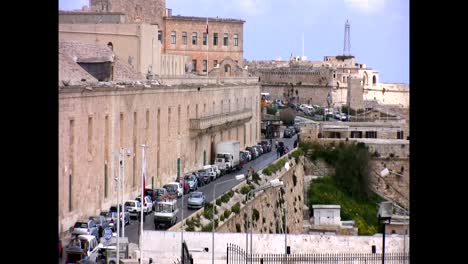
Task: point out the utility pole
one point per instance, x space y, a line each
122 164
118 207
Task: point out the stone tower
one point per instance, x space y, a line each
137 11
355 93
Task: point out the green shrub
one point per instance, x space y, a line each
221 218
190 228
271 110
245 189
236 208
287 116
231 194
225 198
227 213
218 202
207 228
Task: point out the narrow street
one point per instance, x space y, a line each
132 230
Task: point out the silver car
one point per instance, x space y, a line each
196 200
87 227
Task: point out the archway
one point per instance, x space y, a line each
227 70
374 80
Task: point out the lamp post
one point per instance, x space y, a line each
384 214
118 207
386 172
239 177
128 153
275 183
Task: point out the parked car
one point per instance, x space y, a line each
211 171
165 213
247 155
174 187
158 194
297 128
204 177
113 209
192 181
196 200
288 133
134 208
148 205
87 227
150 193
259 149
267 144
89 244
101 223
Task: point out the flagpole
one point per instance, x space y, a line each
207 43
143 176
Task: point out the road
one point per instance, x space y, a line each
132 230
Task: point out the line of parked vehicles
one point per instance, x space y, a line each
162 202
311 110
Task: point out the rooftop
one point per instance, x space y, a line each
203 19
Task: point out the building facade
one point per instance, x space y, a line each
187 35
180 124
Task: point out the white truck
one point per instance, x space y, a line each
227 155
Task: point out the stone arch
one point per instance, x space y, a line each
227 70
365 78
374 80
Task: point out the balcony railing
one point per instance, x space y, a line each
220 119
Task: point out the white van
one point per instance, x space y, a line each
212 171
89 244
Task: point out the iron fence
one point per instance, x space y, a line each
237 255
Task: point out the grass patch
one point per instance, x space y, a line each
272 168
326 191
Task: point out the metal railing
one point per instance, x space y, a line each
220 119
237 255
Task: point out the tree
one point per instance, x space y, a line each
287 115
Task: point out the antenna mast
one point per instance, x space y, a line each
347 42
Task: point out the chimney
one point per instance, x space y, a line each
168 12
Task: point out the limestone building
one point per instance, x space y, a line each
180 124
310 82
187 35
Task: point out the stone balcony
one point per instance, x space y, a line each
213 123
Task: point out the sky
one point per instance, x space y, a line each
274 29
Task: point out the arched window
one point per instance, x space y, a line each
374 80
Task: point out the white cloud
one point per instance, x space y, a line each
365 6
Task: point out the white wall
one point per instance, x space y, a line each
165 247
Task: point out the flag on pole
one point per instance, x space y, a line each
207 26
143 168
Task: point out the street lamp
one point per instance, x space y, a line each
128 153
384 214
239 177
275 183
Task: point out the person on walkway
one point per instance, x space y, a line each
76 242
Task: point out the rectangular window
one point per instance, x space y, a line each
173 37
90 135
184 38
160 35
194 38
135 130
106 151
371 134
236 40
178 120
204 65
225 39
71 163
215 63
215 39
194 63
399 134
121 132
205 39
169 121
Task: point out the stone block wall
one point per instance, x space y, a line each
304 94
355 91
271 203
395 187
93 125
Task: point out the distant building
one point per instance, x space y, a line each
186 35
